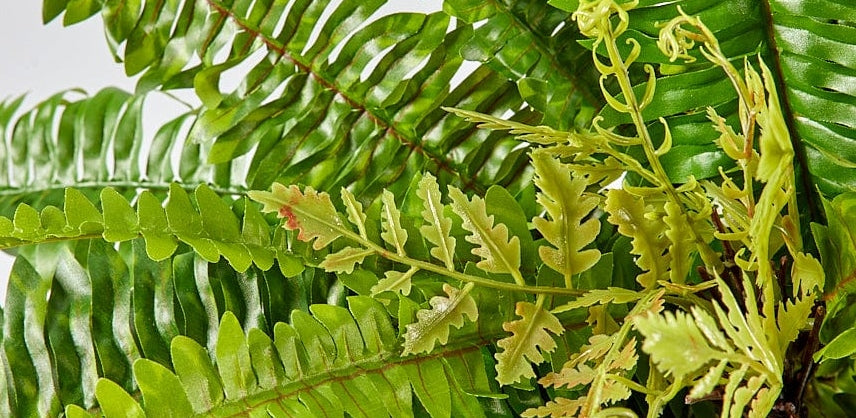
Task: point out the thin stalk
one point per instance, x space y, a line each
442 270
621 74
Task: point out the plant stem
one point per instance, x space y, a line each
454 274
621 74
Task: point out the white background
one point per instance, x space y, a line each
42 60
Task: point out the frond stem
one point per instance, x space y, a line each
454 274
635 111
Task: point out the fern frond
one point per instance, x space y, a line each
213 230
559 407
350 87
182 363
616 295
681 243
753 373
361 381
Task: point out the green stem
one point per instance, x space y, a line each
621 74
442 270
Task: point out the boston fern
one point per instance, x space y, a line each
337 236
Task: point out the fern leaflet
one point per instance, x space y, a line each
562 196
439 227
528 341
433 324
498 253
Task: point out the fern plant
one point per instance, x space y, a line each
335 237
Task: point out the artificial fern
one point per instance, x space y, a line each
387 294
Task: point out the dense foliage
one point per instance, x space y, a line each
353 231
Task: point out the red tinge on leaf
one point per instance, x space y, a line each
311 213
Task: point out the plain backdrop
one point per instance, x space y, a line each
40 60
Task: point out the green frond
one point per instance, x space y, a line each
697 346
94 142
807 48
326 88
210 225
334 361
527 41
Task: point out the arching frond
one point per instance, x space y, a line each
90 143
326 89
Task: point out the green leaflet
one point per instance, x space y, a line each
498 254
115 402
616 295
312 214
677 345
562 197
355 211
528 341
395 281
433 324
344 260
392 233
439 227
628 213
680 243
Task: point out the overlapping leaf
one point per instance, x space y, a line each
210 227
530 339
326 88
